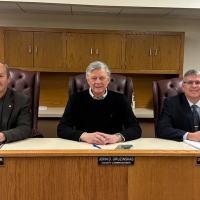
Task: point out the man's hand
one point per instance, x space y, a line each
194 136
94 138
100 138
112 139
2 137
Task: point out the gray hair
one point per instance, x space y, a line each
97 65
7 69
191 72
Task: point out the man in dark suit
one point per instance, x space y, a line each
15 119
177 118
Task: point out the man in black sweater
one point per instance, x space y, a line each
98 115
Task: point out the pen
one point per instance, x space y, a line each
96 146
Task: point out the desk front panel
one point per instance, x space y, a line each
81 178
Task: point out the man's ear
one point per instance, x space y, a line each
9 79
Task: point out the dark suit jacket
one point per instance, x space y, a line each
176 118
16 119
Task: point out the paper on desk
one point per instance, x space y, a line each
42 107
192 143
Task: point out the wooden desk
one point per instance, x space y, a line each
57 169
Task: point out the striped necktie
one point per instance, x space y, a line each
196 118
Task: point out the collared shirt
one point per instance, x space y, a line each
1 98
98 98
198 110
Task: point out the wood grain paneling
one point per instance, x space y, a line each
139 50
80 50
164 178
59 178
19 48
48 50
54 89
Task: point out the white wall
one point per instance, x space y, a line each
190 27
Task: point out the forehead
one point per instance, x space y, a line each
192 77
2 68
98 72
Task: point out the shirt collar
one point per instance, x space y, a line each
3 96
100 98
198 103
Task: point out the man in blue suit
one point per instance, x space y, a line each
177 121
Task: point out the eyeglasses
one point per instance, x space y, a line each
93 79
190 83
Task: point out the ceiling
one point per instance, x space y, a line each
63 9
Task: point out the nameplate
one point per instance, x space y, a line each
1 161
116 160
198 161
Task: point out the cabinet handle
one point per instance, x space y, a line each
36 49
149 52
91 51
156 51
30 49
97 51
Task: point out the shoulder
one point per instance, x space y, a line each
17 96
115 94
176 100
117 97
80 95
177 97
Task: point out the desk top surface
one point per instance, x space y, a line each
62 144
51 112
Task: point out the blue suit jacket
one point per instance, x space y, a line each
176 118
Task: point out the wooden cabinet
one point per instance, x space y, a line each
84 48
145 56
28 49
153 52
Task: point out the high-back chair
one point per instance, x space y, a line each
161 90
28 82
118 83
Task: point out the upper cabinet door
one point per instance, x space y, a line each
166 55
48 50
80 50
18 48
108 49
139 49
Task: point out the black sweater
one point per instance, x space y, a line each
111 115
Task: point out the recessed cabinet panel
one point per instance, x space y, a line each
48 50
80 50
153 52
83 49
108 48
166 52
18 48
139 49
33 49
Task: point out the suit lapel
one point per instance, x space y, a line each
7 108
186 108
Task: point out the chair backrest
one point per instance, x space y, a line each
163 89
28 82
118 83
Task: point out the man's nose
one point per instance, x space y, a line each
98 80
